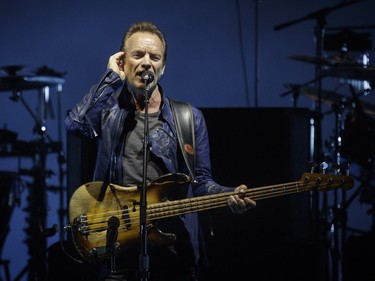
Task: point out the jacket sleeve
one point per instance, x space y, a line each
205 184
84 119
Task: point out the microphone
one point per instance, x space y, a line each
112 232
147 77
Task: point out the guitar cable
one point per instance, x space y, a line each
68 226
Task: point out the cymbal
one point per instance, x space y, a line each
20 148
32 82
328 61
354 73
327 96
12 69
43 77
335 98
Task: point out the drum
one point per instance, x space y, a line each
9 196
358 139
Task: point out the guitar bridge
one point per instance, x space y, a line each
82 225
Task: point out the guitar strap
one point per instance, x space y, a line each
183 118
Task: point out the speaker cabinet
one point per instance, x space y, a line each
359 258
80 162
260 147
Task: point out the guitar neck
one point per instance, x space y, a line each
308 182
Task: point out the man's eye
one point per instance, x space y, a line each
137 55
155 58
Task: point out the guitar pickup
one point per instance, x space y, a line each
126 217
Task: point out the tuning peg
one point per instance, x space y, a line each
340 168
337 168
324 167
313 165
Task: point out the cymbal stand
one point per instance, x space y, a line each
61 160
295 90
36 230
336 228
46 112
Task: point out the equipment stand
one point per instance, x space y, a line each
147 77
37 207
5 264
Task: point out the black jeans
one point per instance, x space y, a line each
191 275
165 265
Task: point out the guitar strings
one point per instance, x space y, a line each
162 210
98 222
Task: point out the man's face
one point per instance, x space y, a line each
143 51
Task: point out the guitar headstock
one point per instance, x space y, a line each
324 182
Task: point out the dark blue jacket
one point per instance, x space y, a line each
101 114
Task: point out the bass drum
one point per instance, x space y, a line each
9 197
358 139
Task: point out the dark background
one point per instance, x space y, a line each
222 54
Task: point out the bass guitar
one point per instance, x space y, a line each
93 204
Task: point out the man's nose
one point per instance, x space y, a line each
146 63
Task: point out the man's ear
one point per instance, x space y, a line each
122 63
162 71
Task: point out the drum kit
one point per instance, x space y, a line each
37 232
360 79
354 123
352 143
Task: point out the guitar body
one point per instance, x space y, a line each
94 203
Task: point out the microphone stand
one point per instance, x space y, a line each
316 14
144 258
